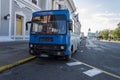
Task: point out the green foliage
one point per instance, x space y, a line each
99 37
116 32
119 24
104 34
112 34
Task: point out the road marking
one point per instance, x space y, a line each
105 72
8 66
81 51
74 63
89 48
92 72
90 44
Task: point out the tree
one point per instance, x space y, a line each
114 36
116 33
104 34
119 24
110 34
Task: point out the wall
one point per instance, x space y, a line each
16 9
0 14
48 4
4 29
7 27
45 4
42 4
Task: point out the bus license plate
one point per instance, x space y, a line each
44 55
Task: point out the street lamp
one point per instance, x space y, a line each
7 17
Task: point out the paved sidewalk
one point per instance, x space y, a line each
110 41
11 52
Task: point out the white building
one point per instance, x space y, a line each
15 13
92 35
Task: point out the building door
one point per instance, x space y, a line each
19 25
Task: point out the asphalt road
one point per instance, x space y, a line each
95 60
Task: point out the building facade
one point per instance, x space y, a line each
15 13
92 35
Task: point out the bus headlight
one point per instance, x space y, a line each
62 47
31 45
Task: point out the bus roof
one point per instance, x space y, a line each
51 12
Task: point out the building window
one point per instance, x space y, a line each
59 6
34 2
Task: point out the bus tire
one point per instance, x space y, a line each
68 57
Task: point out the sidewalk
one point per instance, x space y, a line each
110 41
11 52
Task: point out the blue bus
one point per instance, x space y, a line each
51 34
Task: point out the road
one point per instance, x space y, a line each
95 60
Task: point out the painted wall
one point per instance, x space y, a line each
0 14
24 11
45 4
48 4
42 4
4 28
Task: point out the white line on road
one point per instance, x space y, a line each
81 51
74 63
92 72
88 48
105 72
91 44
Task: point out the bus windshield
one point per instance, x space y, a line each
52 24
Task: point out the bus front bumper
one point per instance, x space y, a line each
50 50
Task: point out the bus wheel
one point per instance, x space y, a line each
68 57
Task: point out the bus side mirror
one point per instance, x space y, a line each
70 25
28 23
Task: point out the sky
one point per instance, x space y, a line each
98 14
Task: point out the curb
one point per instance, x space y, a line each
110 41
8 66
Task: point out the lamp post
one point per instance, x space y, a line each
7 17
